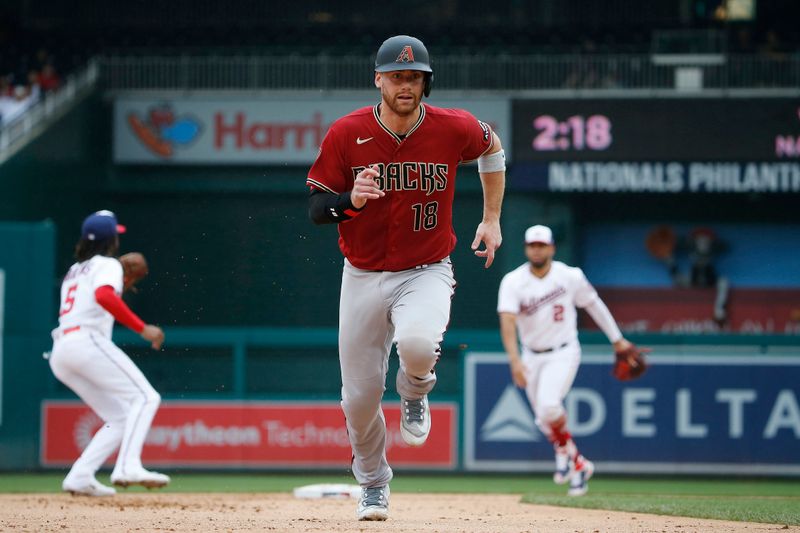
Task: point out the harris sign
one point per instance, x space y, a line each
222 130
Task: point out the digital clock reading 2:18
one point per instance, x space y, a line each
575 133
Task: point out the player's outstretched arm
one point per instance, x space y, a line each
493 181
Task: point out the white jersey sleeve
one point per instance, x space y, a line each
585 294
107 272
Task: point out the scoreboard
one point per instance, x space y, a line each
677 129
657 145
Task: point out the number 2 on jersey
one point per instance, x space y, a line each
558 313
69 301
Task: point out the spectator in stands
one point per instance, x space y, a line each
41 59
743 44
49 79
773 47
6 89
15 100
774 72
6 99
702 246
34 88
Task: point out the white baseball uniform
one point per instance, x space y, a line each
547 325
86 360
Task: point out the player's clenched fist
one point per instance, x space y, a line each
154 334
365 188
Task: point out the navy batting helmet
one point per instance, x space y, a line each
403 52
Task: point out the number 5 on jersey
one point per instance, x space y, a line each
69 300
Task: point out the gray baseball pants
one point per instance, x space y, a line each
410 309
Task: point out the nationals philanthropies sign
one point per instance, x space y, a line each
256 434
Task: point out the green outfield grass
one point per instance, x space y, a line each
771 501
742 499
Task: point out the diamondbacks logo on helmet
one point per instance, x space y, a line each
406 55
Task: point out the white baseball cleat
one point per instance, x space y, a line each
145 478
579 483
373 504
563 466
87 487
415 421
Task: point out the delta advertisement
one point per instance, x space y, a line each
263 435
246 131
724 413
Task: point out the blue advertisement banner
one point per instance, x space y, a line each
689 414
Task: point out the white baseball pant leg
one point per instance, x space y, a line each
106 379
550 377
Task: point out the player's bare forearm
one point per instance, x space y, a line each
494 186
488 232
508 334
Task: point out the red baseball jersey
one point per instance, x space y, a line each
412 224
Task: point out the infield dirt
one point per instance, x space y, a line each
443 513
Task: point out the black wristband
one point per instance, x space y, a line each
328 208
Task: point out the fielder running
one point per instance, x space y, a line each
538 301
386 174
86 360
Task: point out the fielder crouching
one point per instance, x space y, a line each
86 360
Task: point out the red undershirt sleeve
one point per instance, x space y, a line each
112 303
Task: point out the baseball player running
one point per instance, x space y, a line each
386 175
538 301
86 360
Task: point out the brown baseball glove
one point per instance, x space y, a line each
134 268
630 363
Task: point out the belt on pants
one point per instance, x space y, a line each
548 350
418 267
57 334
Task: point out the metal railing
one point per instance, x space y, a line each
455 72
15 134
